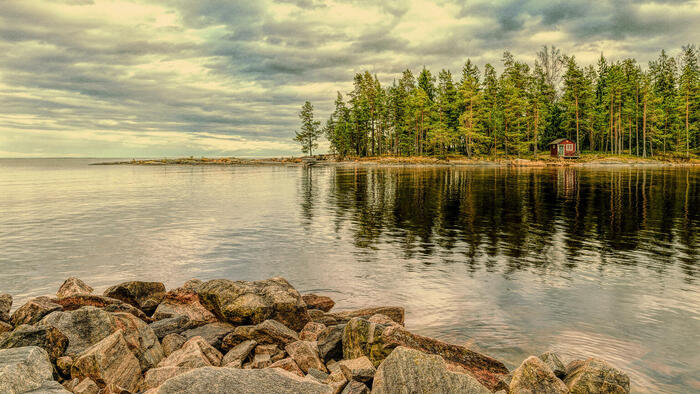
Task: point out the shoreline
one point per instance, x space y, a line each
330 161
254 337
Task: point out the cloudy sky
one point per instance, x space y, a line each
100 78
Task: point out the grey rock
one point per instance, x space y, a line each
211 380
330 344
77 301
595 376
412 371
50 387
534 376
376 341
46 337
143 295
239 354
110 362
305 354
213 333
554 363
73 286
267 332
354 387
320 376
84 327
195 353
241 302
25 369
34 310
359 369
172 325
5 306
141 339
171 343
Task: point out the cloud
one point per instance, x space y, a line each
220 77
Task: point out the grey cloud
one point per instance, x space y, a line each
69 73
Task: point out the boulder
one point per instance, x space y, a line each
554 363
87 386
330 344
171 343
395 313
143 295
213 333
108 304
27 369
354 387
73 286
185 302
157 376
305 354
534 376
109 362
269 331
288 364
239 354
195 353
141 339
311 330
336 380
412 371
34 310
84 327
363 338
241 302
171 325
315 301
5 306
595 376
192 284
46 337
359 369
211 380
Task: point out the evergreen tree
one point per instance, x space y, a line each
573 98
310 129
689 93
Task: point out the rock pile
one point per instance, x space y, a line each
224 336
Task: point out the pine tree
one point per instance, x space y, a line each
574 91
689 93
310 129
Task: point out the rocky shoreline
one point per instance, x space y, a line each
223 336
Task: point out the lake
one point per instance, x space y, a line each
583 261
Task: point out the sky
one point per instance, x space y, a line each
167 78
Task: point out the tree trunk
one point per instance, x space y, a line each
577 139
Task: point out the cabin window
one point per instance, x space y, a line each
569 146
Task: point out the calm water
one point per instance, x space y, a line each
586 262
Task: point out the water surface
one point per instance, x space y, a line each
586 262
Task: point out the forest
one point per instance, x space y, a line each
616 107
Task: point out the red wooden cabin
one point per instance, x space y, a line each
563 147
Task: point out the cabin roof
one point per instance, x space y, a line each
559 141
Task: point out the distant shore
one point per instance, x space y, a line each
586 160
